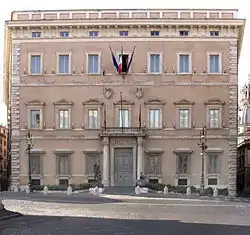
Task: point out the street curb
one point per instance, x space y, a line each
10 216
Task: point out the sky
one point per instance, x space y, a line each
15 5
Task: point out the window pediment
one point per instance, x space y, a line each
214 102
63 102
183 102
92 102
35 103
154 102
124 102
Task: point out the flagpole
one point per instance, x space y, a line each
105 118
140 118
121 110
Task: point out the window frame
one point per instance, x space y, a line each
63 105
63 32
217 170
149 62
160 116
35 105
214 53
30 65
35 33
124 31
125 105
189 117
58 54
37 155
179 54
99 62
214 107
93 36
154 31
129 53
178 155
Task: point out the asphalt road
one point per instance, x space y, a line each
129 217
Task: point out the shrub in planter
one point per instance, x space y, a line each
193 189
37 187
156 186
223 192
209 191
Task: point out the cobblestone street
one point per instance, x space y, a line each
128 217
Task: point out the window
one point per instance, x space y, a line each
36 182
184 33
155 33
154 118
214 118
93 33
123 33
182 164
93 122
182 182
35 165
153 164
64 34
91 160
123 118
213 160
35 64
125 61
184 118
63 182
63 122
36 34
214 33
214 63
184 63
93 64
63 165
64 64
212 181
154 60
35 119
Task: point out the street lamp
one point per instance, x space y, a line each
203 146
29 147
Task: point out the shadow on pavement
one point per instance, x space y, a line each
49 225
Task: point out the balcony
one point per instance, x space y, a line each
123 131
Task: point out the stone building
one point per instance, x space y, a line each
3 151
61 85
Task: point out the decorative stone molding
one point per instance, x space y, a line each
63 151
63 102
183 150
139 92
214 102
154 102
92 102
108 92
35 103
183 102
124 102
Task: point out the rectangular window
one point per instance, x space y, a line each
154 118
125 61
214 33
184 65
184 33
214 64
35 165
35 64
213 163
155 33
64 34
93 33
123 33
154 63
123 118
35 119
214 118
184 118
93 64
183 164
212 181
36 34
93 122
63 165
63 64
182 182
63 119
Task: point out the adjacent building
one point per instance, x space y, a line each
3 151
61 85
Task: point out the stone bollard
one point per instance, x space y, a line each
15 188
188 191
96 191
165 190
137 190
45 190
69 191
27 190
215 193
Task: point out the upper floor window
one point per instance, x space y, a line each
214 118
214 33
184 33
214 63
93 119
154 118
184 118
93 33
183 163
155 33
93 63
123 118
154 63
63 118
64 64
36 164
184 63
64 34
35 64
36 34
63 164
213 163
35 118
123 33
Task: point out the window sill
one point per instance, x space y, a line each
63 129
35 129
183 128
182 175
213 175
63 176
63 74
155 129
94 74
93 129
35 74
184 73
219 73
214 128
149 73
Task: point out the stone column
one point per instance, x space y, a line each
105 167
139 157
